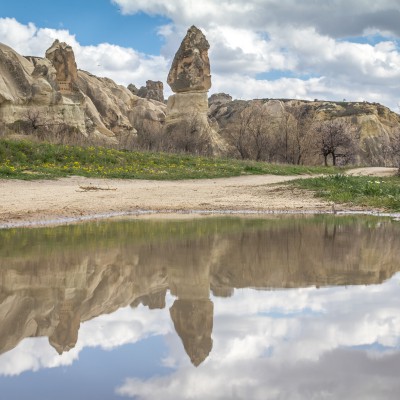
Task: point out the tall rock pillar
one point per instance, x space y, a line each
62 57
190 80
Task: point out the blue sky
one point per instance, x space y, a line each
92 21
259 48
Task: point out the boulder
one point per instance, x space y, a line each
153 90
190 70
133 89
62 57
219 98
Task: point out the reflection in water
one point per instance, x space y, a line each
53 279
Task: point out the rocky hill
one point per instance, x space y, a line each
291 127
52 99
52 93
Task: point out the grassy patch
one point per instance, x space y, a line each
364 191
28 160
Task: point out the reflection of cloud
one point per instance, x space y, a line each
107 331
341 373
269 345
33 354
337 341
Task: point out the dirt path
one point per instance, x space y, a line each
49 202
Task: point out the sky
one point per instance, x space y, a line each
309 49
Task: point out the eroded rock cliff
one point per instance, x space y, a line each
58 94
289 126
52 94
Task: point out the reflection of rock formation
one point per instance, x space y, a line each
193 321
52 280
192 312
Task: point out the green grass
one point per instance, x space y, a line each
29 160
363 191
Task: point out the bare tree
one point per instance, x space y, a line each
334 139
252 138
298 135
149 135
189 135
33 116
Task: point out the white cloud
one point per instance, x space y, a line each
124 65
290 37
337 17
259 48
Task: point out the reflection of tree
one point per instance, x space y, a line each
52 291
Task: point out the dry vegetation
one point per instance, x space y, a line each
292 137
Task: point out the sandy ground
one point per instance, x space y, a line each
77 198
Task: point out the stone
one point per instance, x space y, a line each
153 90
193 322
62 57
132 88
187 127
190 70
219 98
15 82
71 99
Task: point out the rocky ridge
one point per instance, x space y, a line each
371 125
52 94
59 94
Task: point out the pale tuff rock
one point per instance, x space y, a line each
190 79
133 89
154 90
62 57
190 70
62 95
219 98
15 77
372 124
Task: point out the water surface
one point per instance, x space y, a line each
216 308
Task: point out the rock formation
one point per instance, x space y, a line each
62 58
190 70
192 312
154 90
75 104
133 89
190 80
65 97
371 124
